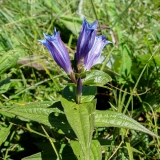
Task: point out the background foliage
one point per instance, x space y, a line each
28 74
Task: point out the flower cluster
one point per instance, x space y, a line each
89 48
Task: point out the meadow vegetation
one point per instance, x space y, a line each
31 81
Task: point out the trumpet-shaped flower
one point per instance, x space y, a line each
93 55
58 51
85 40
89 46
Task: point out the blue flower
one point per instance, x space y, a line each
85 40
93 55
58 51
89 46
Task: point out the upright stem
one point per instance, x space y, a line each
73 78
79 91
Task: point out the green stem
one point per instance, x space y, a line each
52 144
79 91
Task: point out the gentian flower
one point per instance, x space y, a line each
93 55
59 52
85 40
89 46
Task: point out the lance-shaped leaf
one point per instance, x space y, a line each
81 119
115 119
43 112
48 113
95 150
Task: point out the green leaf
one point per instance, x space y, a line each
77 149
48 113
8 61
95 150
115 119
69 93
126 61
88 93
130 152
4 85
97 77
73 26
51 114
4 132
81 119
133 150
37 156
95 153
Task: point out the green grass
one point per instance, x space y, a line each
134 28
